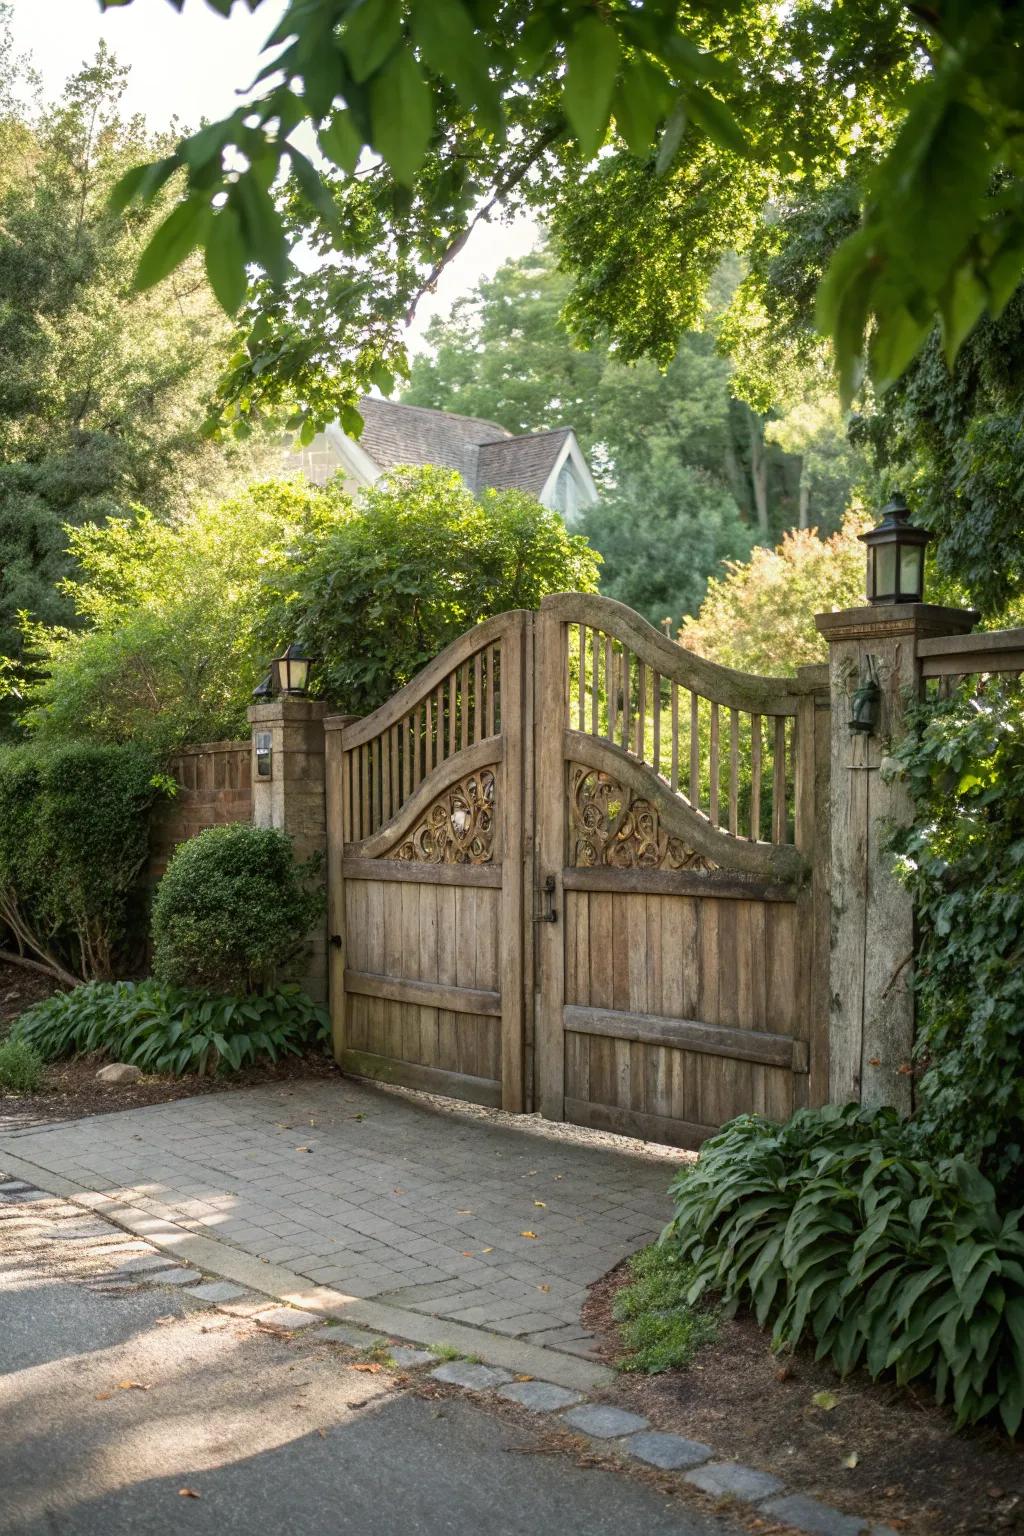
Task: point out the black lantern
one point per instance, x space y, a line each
896 556
866 701
264 692
292 668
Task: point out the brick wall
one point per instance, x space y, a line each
215 786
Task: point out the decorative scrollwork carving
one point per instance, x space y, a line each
612 827
458 828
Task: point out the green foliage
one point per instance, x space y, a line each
420 560
232 911
759 617
74 826
172 632
21 1067
963 862
161 1028
660 1329
833 1226
102 390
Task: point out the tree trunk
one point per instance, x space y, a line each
759 471
803 515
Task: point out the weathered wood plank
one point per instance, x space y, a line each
453 1085
425 994
355 868
552 662
631 1122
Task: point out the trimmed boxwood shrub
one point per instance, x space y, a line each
833 1227
167 1029
233 910
74 837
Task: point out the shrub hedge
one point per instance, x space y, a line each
832 1226
74 829
232 911
165 1029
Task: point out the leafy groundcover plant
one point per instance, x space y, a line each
660 1329
21 1067
833 1226
168 1029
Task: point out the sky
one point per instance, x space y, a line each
190 65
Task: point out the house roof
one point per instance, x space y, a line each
523 462
412 434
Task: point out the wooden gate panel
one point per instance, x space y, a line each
676 818
425 809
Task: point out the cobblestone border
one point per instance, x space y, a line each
135 1261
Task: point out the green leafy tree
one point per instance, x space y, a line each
171 631
102 389
759 617
717 105
416 563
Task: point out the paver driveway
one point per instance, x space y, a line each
466 1215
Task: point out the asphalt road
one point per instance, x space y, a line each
111 1404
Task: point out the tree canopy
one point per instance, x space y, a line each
102 390
430 114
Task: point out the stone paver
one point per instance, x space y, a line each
340 1333
218 1290
605 1422
402 1200
478 1378
408 1358
174 1277
805 1514
288 1319
145 1264
540 1396
736 1480
672 1453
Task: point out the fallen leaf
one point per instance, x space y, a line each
559 1175
543 1287
467 1253
188 1493
462 1212
851 1460
133 1386
303 1149
397 1190
524 1378
783 1373
372 1366
103 1397
541 1203
322 1433
486 1250
825 1400
527 1234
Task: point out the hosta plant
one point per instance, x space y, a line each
832 1227
166 1029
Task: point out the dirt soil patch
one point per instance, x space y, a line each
69 1089
910 1470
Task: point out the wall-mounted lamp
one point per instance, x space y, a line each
264 755
866 703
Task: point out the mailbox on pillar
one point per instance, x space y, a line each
896 556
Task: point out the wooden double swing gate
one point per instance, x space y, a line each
577 869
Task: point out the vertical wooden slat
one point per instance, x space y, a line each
581 713
516 856
713 808
491 658
364 810
779 781
396 789
464 705
385 776
694 750
626 699
437 732
641 708
610 683
755 778
429 761
595 681
453 714
734 771
552 665
346 797
337 780
417 732
478 696
674 780
656 701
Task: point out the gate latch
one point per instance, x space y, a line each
549 915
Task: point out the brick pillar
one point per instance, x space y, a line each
871 1004
291 797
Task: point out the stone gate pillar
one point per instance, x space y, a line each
871 1004
288 792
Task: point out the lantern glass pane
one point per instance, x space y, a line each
885 571
911 560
